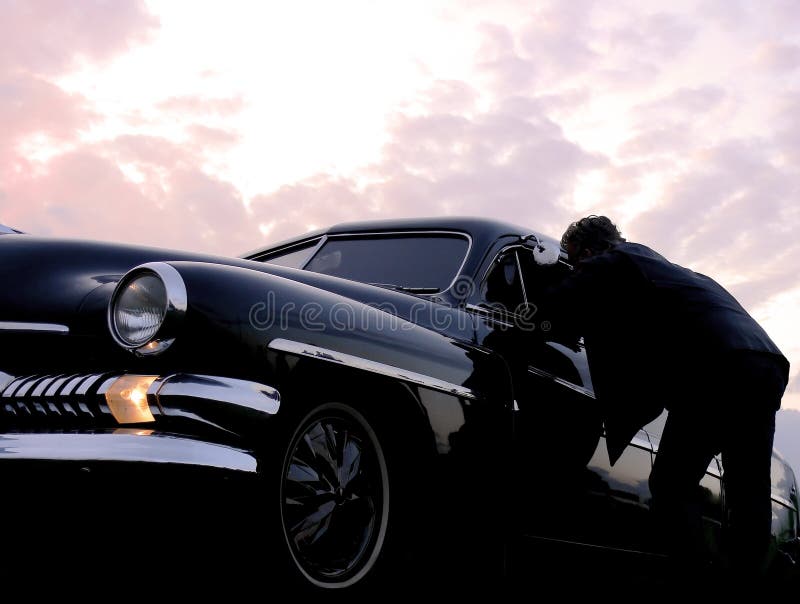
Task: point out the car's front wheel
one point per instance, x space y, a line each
334 497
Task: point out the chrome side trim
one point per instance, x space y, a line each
242 393
26 326
5 380
645 555
260 253
558 380
488 314
642 441
341 358
521 278
783 501
314 251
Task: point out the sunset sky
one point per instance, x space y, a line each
224 126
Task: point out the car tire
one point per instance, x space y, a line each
334 500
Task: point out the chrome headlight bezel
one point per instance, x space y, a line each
175 304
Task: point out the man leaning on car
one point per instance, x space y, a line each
659 335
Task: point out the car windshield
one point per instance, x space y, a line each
424 263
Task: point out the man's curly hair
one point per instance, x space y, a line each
596 233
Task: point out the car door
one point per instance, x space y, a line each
710 489
568 498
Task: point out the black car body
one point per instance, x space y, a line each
369 401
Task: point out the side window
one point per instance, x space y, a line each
565 360
293 257
502 288
538 276
656 427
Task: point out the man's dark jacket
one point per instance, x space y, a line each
654 331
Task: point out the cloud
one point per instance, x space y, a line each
450 96
155 151
39 119
556 37
730 212
672 125
205 137
136 189
656 36
786 120
196 105
684 101
46 37
685 173
778 58
31 105
75 186
511 157
497 57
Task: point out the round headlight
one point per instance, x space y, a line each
147 308
140 309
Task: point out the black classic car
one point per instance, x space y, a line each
368 403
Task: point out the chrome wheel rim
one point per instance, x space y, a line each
334 500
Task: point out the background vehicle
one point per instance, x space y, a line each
371 400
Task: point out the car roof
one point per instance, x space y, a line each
479 229
469 224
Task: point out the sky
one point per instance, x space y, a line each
225 126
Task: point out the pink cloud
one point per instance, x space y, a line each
732 211
683 101
215 138
556 38
663 140
321 200
659 35
86 194
786 119
507 158
778 57
511 158
195 105
150 150
672 124
45 36
77 188
451 96
31 105
42 39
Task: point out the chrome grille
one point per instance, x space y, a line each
53 399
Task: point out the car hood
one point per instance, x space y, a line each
52 280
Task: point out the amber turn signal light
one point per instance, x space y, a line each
127 399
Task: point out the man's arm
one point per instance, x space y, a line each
566 309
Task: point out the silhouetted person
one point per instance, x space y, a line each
660 335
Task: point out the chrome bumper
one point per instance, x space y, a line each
125 445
